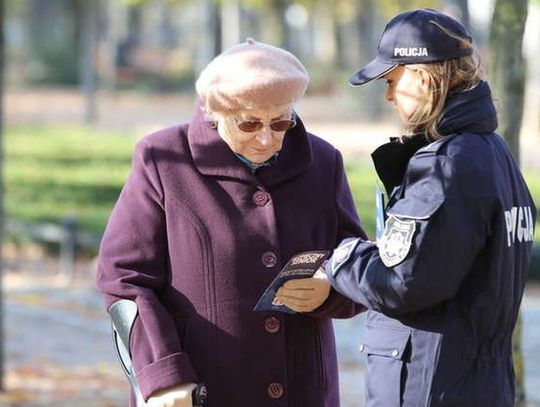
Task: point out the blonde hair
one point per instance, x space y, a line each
444 77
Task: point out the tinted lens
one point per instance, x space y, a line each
250 126
282 125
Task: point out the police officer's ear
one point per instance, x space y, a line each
425 79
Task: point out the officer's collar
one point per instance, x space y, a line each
391 159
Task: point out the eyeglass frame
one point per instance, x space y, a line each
260 124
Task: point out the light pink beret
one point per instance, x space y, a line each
251 74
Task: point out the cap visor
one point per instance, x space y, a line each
374 70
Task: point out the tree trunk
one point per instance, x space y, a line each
89 32
507 67
230 31
2 65
369 33
340 39
517 353
217 23
458 9
115 16
507 72
324 34
273 25
209 39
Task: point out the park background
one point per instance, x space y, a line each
83 80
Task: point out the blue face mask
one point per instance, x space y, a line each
255 166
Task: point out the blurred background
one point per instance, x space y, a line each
83 80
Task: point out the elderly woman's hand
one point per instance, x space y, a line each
305 294
177 396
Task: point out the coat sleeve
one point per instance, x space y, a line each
337 305
450 229
133 265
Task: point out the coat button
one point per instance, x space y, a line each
272 325
275 390
395 352
260 198
269 259
362 348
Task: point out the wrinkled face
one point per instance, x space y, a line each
269 125
407 88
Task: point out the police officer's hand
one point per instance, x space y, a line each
305 294
177 396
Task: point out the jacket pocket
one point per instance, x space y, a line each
385 350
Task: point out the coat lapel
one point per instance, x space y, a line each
294 158
213 157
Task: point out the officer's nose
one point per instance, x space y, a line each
389 94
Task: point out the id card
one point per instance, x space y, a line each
380 212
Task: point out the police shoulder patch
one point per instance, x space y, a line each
396 241
342 254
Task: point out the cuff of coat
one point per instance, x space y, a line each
169 371
337 306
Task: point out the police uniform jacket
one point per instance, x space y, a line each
196 237
444 283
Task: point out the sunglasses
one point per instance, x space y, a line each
251 126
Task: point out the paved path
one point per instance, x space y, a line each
58 347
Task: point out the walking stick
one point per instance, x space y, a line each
123 314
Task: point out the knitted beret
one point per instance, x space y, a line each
251 74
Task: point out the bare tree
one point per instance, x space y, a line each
113 15
2 64
230 32
507 67
275 30
507 72
89 13
369 33
458 9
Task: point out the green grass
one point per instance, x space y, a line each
363 179
52 172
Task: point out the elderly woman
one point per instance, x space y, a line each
211 211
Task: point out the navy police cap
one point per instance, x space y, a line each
414 37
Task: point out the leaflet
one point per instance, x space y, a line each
302 265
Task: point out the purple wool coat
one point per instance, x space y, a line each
196 237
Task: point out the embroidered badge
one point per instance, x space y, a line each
342 254
396 240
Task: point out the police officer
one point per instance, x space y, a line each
445 280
